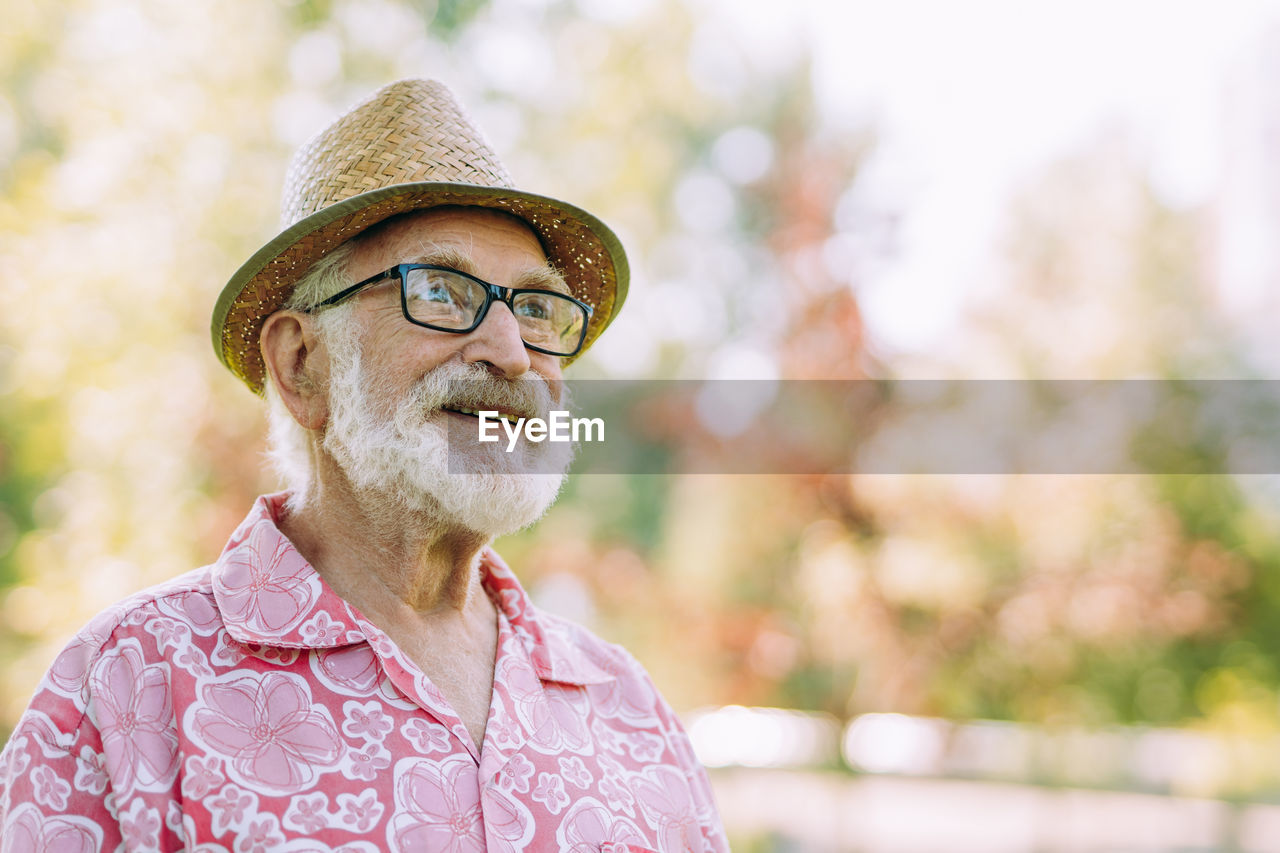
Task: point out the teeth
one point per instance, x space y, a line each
475 413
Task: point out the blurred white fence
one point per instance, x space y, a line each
926 786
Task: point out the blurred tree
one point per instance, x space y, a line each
143 147
130 454
1076 600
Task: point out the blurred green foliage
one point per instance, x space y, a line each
143 144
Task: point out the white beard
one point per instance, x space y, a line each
399 454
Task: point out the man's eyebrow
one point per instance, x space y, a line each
446 256
538 278
542 278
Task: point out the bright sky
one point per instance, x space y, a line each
969 97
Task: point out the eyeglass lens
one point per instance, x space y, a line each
448 300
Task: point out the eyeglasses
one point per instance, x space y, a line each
449 300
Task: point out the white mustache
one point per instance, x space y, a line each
455 385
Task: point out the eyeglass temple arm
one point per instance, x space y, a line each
343 294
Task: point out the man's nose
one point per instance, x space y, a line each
497 342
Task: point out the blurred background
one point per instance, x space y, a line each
816 190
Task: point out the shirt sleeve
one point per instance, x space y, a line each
683 761
54 793
713 833
671 785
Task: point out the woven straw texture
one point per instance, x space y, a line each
408 147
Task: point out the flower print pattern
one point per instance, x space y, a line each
227 652
193 608
367 762
268 728
514 775
437 807
91 776
504 731
71 668
135 715
381 643
508 822
360 813
190 833
350 670
51 792
272 654
512 602
425 737
618 795
140 826
231 808
173 817
266 586
306 740
192 660
589 824
261 835
614 785
667 807
321 630
30 830
607 737
15 759
366 721
645 747
308 812
629 700
550 792
201 776
575 772
555 718
168 632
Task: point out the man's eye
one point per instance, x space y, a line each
438 292
437 289
535 308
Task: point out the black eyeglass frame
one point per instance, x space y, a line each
505 295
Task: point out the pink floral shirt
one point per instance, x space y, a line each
245 706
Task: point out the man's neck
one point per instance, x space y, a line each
415 578
385 559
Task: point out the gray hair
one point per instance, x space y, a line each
289 444
326 277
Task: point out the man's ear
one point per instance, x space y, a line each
290 350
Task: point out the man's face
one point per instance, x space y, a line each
502 250
392 384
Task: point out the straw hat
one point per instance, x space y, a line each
408 147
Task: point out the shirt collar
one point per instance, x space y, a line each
557 648
269 594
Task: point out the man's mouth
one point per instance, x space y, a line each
509 417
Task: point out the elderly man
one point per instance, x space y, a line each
358 670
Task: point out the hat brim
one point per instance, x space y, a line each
579 245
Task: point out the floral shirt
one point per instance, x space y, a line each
245 706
